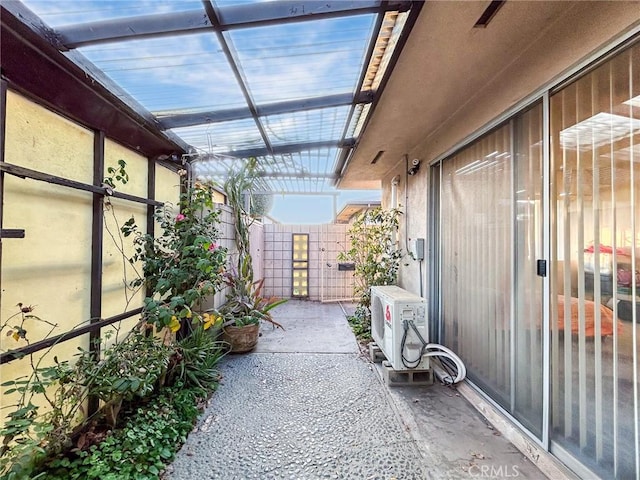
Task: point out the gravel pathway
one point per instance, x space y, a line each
299 416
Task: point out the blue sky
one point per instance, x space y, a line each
308 209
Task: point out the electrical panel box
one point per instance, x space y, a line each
418 249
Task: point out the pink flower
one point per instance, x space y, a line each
212 247
180 217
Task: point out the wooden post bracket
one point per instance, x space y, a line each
12 233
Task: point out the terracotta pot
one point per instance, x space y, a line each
241 339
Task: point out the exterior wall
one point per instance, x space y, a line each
117 272
256 246
411 199
219 197
548 57
567 40
277 259
515 82
325 281
226 240
51 267
335 284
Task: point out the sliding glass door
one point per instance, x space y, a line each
567 372
595 191
490 236
528 318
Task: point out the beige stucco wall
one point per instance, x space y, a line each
117 272
167 185
39 139
219 197
544 62
50 268
117 294
411 199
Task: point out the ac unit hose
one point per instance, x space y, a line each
444 371
449 369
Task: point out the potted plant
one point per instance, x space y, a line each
245 305
243 311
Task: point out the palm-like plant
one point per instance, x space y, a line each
245 304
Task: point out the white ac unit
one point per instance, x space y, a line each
399 326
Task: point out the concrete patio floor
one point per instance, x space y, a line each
307 404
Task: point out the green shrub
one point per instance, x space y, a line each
198 355
141 449
376 256
360 323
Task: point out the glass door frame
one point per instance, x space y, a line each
435 273
546 280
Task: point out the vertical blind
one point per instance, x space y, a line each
595 192
476 274
490 218
527 393
490 238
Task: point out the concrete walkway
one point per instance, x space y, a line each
307 405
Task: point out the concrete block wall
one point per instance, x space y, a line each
227 240
325 281
335 284
277 259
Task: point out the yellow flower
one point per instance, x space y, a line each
175 324
208 320
188 313
16 336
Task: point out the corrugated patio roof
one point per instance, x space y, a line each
290 83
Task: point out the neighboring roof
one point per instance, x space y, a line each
351 209
289 82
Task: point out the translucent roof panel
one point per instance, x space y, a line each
222 137
300 172
186 73
306 126
293 61
289 83
313 162
64 12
